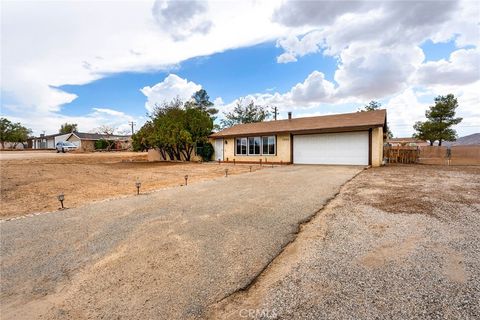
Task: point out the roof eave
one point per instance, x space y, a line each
302 131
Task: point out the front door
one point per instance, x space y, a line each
219 149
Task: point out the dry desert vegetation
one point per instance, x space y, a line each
31 181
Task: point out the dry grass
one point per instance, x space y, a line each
31 182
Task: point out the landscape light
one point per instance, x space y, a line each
226 172
186 179
250 168
60 198
138 184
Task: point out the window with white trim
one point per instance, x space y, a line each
241 146
268 144
255 145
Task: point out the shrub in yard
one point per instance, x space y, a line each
102 144
206 151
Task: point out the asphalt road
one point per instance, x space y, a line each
165 255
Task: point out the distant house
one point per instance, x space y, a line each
84 141
46 142
409 142
348 139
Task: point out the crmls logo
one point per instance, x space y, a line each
258 313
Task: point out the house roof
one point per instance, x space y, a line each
330 123
98 136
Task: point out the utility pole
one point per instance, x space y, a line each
275 113
131 123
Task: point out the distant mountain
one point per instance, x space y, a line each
473 139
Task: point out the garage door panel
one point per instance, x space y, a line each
331 148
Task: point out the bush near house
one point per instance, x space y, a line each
103 144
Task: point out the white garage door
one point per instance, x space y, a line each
331 148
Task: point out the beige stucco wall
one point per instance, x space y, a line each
155 155
282 154
377 147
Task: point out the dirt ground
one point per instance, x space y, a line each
31 181
398 242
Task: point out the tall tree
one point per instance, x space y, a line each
175 129
13 132
201 100
245 113
440 119
68 128
372 106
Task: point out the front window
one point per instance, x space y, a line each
242 146
268 144
255 145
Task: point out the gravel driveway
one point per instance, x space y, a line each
165 255
399 242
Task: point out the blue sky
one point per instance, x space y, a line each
229 75
328 57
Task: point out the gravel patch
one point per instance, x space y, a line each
399 242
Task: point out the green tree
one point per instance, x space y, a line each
68 128
19 134
425 131
5 131
375 105
175 129
440 119
201 100
371 106
142 139
13 132
245 113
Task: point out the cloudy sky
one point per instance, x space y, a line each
109 62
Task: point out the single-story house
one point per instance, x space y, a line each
86 141
410 142
46 141
344 139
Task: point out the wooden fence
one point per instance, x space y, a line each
455 155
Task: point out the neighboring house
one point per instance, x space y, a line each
86 141
410 142
347 139
46 142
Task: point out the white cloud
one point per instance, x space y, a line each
314 89
295 47
182 18
373 72
170 88
463 67
50 44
